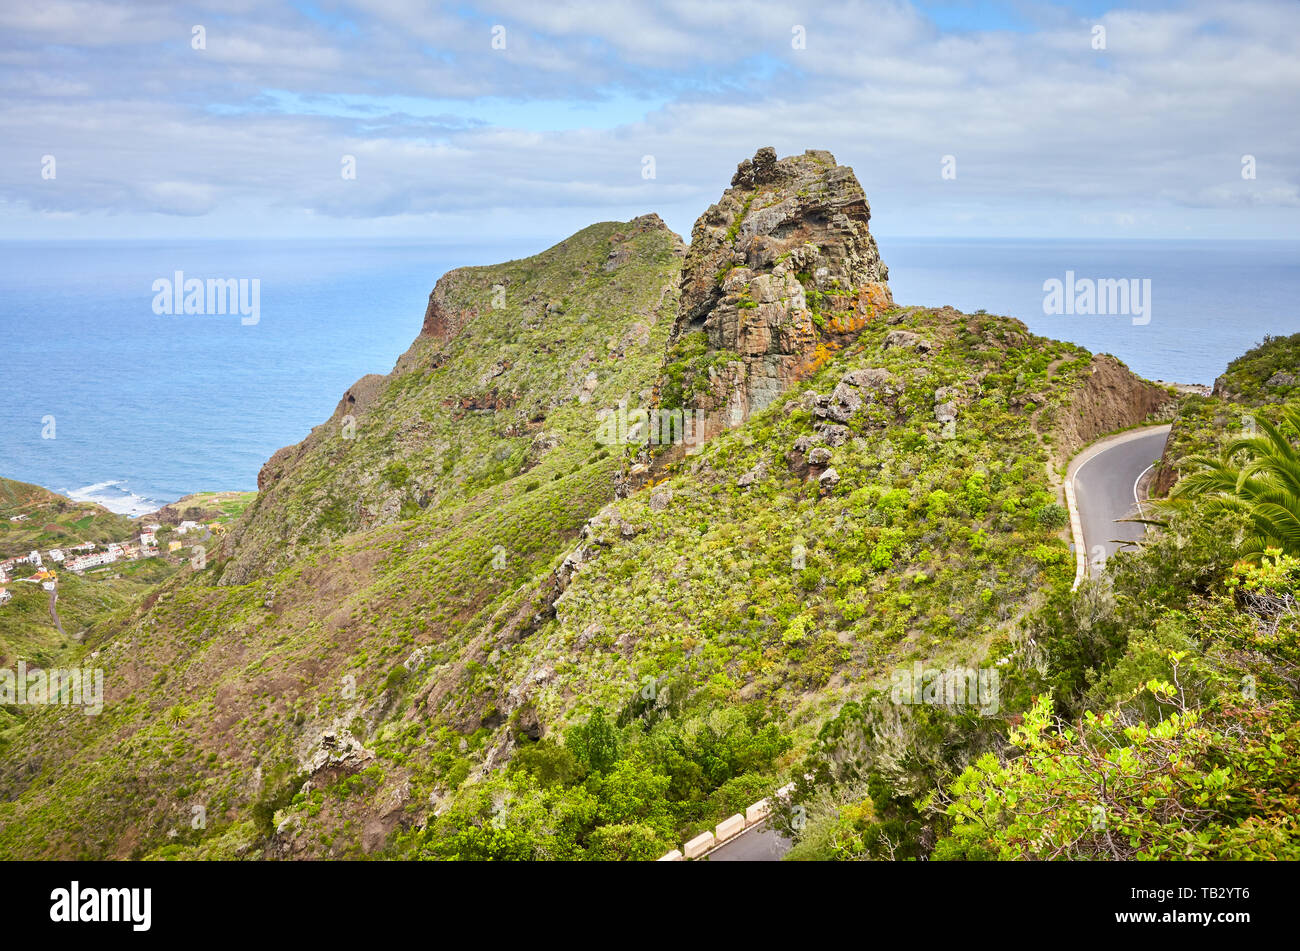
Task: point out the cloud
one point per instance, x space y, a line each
452 136
180 198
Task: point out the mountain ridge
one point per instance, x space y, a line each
445 580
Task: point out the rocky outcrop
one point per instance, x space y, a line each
858 388
1112 398
783 264
442 318
337 753
361 395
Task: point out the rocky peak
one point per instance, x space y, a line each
781 265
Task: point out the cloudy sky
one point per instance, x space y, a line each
469 121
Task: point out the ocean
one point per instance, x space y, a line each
146 407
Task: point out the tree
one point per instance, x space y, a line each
594 743
1219 784
1264 489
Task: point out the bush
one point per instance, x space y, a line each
1052 516
397 474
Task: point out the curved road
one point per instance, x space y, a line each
758 844
1106 479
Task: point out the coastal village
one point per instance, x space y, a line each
42 568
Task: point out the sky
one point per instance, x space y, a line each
469 122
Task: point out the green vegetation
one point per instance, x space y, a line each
1267 373
611 793
1264 490
1150 715
48 520
443 636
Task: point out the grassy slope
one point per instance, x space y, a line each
53 520
26 630
927 549
219 691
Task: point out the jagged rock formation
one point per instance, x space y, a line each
780 269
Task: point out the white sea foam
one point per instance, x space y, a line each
115 497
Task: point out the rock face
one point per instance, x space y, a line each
1112 398
782 265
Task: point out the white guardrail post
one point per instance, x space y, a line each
727 829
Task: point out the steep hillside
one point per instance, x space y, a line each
49 520
470 469
505 378
437 633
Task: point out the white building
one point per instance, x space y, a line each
56 554
35 558
148 539
92 561
185 527
5 596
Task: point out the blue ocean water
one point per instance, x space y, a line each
1210 300
148 408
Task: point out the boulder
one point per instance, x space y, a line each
844 401
906 340
832 434
755 474
872 378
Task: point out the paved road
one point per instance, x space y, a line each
1105 487
759 844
